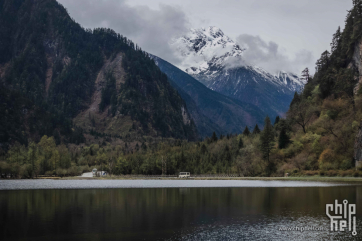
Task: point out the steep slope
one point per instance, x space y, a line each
205 126
216 61
326 117
71 72
229 114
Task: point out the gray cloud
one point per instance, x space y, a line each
150 29
269 56
153 28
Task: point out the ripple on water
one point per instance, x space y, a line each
269 229
95 184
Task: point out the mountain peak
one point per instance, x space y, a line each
212 31
208 51
200 46
217 61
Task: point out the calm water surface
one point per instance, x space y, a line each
170 210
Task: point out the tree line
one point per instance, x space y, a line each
247 154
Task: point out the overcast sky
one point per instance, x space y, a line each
285 34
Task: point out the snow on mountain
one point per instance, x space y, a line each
207 53
216 60
201 46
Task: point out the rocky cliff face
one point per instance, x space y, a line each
92 117
357 65
358 147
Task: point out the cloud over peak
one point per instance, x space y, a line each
269 56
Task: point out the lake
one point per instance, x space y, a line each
171 209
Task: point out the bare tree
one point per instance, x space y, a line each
301 114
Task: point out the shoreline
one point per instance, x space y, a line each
304 178
300 179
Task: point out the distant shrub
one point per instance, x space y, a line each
357 174
74 171
61 172
311 173
331 173
294 172
328 166
49 173
347 173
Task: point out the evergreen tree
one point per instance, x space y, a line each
357 5
246 131
267 143
296 99
305 75
277 119
283 138
203 149
323 62
335 40
240 144
256 130
214 137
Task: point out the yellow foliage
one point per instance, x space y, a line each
327 156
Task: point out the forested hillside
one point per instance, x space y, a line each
325 118
61 71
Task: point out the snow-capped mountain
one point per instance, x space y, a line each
202 47
217 61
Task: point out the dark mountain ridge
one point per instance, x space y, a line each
49 59
229 114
